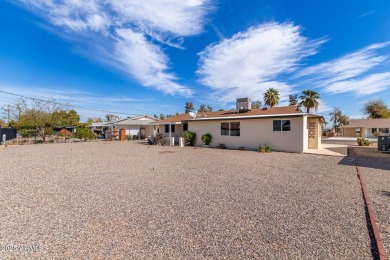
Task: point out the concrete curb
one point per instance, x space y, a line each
374 225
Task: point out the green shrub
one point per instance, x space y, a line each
51 141
363 141
264 148
49 131
27 132
85 133
189 138
206 139
38 142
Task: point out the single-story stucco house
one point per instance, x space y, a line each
283 128
366 127
137 126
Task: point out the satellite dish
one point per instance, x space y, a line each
192 114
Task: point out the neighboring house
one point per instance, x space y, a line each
99 128
137 126
283 128
366 127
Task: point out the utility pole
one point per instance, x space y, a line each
19 112
8 113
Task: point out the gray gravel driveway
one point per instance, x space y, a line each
129 200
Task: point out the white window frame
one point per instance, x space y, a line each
281 125
230 128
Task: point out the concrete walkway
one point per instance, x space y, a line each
347 139
339 150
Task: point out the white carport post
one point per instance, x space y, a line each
171 139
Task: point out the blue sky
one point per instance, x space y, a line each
147 57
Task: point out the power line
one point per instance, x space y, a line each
63 104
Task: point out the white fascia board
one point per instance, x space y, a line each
247 117
166 123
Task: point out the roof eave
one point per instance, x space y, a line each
249 117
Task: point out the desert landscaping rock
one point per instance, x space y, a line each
375 168
130 200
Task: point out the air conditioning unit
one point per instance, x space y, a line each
243 104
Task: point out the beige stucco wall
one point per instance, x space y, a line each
150 130
349 132
305 134
254 132
320 125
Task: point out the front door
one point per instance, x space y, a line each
142 132
313 134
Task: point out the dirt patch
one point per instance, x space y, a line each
163 152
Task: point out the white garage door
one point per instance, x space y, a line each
133 130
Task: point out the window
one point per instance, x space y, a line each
230 129
286 125
185 127
224 128
282 125
277 125
384 130
235 129
167 128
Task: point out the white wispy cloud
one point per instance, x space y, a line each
146 62
252 61
323 108
181 18
366 14
336 76
370 84
130 29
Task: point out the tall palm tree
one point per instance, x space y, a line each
271 97
309 99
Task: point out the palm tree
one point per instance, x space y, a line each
309 99
271 97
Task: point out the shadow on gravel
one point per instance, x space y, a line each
371 158
368 157
373 245
386 193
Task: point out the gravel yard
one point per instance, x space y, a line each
375 168
129 200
